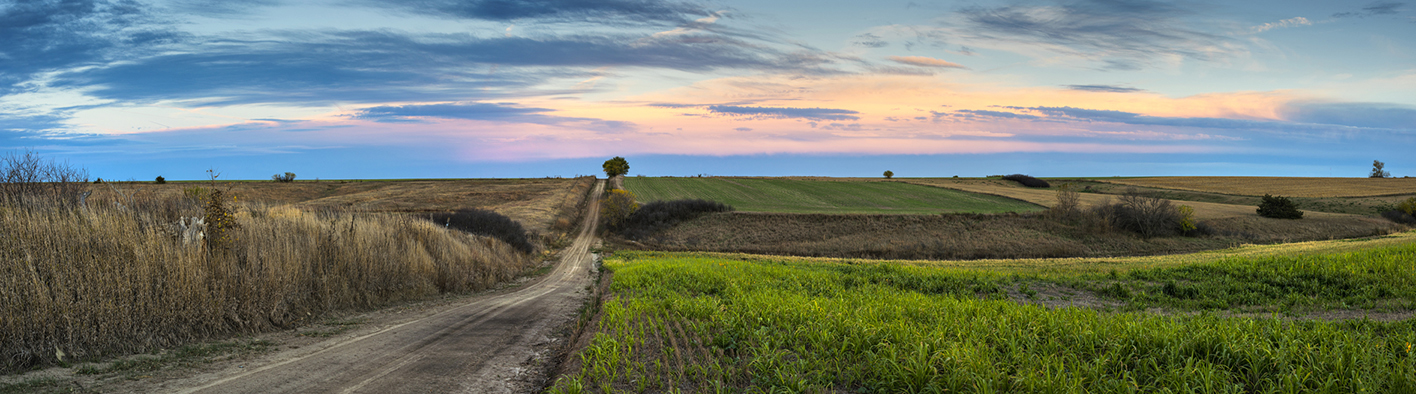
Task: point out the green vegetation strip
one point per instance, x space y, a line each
812 196
703 323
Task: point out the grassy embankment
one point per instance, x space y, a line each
738 323
782 195
116 277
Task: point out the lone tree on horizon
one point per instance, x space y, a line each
616 166
889 174
1377 171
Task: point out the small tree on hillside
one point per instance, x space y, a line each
1068 206
1279 208
160 180
616 166
1377 171
889 174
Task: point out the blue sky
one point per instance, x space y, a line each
532 88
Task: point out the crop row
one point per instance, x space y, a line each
721 323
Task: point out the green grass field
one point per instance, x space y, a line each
812 196
694 322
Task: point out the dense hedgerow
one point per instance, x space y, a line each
1404 212
1398 216
1027 180
1279 208
659 215
488 223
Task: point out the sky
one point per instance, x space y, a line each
376 89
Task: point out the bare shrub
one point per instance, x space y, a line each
25 175
1068 207
1144 215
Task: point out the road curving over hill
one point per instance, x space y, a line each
477 347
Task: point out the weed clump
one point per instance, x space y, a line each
1027 180
659 215
486 223
220 222
1279 208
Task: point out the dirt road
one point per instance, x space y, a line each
477 347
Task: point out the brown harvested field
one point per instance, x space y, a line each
977 236
536 203
1279 186
1048 197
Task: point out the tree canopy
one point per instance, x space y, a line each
616 166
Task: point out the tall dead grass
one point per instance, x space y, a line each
108 279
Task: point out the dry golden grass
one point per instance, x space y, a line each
1280 186
536 203
106 280
1048 198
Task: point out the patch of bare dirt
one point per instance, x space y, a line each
1053 296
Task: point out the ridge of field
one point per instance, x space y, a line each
1371 205
820 196
1279 186
1071 266
1047 197
739 323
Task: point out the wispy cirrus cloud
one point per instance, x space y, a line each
484 112
1373 9
47 35
924 61
1122 34
785 112
1369 115
1298 117
1290 22
221 8
315 68
1103 88
619 11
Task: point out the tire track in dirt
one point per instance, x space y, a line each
478 347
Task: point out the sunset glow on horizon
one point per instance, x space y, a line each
480 88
